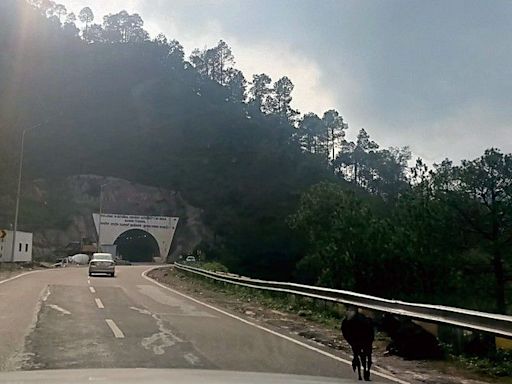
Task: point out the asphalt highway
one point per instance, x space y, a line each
57 319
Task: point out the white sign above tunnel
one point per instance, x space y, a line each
162 228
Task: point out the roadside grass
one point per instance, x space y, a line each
322 312
8 270
498 365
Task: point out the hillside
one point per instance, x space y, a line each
59 222
139 111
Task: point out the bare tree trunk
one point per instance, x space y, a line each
332 138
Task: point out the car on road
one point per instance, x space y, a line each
102 263
190 259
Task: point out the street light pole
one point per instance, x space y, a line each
18 193
99 219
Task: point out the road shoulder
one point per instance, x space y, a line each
324 335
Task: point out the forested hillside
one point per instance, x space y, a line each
287 196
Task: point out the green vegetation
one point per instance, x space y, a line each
214 266
500 364
287 196
445 238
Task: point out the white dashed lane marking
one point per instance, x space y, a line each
99 303
118 334
92 290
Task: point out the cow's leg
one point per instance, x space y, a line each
358 364
363 362
368 354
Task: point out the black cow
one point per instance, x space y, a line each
358 330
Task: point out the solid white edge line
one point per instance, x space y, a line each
380 373
20 275
115 329
99 303
92 290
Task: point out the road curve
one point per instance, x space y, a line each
64 319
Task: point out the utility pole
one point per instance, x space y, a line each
98 246
18 193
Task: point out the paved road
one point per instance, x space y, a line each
64 319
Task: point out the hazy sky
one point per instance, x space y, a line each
434 75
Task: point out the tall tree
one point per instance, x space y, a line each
312 133
387 171
480 191
161 40
237 85
71 18
47 7
124 28
335 127
86 16
95 34
60 10
342 234
214 63
259 90
176 54
354 157
225 60
279 102
70 26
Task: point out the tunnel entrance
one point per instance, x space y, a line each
137 245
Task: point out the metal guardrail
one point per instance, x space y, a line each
500 325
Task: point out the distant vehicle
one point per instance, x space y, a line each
102 263
190 259
79 258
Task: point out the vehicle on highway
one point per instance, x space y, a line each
190 259
79 258
102 263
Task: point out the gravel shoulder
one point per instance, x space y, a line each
324 331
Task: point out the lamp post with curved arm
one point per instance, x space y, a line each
98 245
18 193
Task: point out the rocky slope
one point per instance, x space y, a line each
119 196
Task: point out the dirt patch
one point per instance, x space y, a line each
323 331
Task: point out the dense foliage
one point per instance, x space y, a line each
446 238
114 101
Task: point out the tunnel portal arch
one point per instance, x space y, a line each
161 228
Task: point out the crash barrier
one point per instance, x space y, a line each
499 325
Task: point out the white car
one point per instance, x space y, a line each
190 259
102 263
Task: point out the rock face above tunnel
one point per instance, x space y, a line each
122 197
